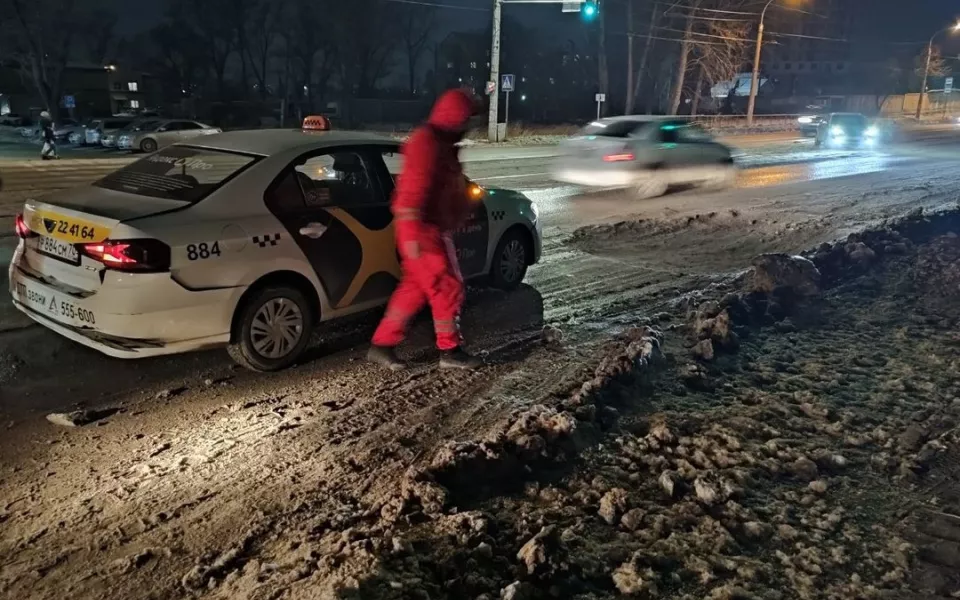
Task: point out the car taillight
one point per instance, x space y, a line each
130 255
620 157
23 230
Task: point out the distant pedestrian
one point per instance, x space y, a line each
49 150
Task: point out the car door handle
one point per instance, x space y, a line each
313 230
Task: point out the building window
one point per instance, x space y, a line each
134 104
117 86
787 66
839 66
132 86
473 65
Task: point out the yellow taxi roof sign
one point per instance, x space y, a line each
316 123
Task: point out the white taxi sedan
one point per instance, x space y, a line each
246 239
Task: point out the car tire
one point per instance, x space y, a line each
651 184
725 178
256 325
510 260
148 145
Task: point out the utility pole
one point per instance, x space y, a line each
495 72
923 86
926 66
754 79
590 11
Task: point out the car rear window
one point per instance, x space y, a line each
617 129
181 173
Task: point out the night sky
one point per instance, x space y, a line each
892 20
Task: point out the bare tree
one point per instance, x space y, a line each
719 54
310 49
205 20
38 35
366 36
260 38
686 45
416 23
938 64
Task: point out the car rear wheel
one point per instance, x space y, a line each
148 145
652 184
272 329
510 260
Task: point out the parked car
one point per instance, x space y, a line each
244 239
151 135
64 127
106 127
11 120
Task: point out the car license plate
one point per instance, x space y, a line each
59 250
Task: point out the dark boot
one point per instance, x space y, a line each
386 356
459 359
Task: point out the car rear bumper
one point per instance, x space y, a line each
151 315
595 177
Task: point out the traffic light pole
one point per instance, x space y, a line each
494 115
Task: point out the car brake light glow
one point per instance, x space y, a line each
109 253
21 227
622 157
130 255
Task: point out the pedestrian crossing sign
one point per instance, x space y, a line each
506 83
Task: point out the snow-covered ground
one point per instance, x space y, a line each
336 480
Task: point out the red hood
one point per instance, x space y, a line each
452 111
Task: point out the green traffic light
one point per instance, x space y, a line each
589 10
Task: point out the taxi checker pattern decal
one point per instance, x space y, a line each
263 241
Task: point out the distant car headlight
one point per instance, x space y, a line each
805 120
872 131
836 131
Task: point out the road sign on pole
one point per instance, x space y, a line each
601 98
491 87
948 85
506 84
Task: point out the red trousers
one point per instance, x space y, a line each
433 277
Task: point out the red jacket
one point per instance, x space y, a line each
431 198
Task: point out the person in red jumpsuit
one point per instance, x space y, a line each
429 203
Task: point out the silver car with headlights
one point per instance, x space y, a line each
648 154
151 135
847 131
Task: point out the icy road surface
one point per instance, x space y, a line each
200 467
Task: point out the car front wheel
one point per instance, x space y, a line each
148 145
510 260
272 329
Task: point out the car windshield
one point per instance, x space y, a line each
850 121
180 173
616 129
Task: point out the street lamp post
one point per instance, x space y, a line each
926 67
756 65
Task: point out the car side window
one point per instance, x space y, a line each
190 125
336 179
668 133
693 134
285 197
393 160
